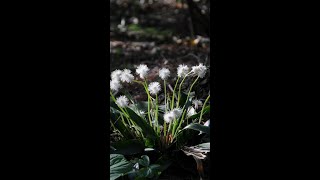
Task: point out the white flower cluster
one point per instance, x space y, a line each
142 70
118 76
199 70
115 85
154 88
182 70
164 73
125 76
122 101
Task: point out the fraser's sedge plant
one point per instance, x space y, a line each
157 122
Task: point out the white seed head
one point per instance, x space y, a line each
169 116
126 76
196 103
191 111
177 112
164 73
122 101
154 88
115 75
115 85
199 70
142 70
172 115
183 70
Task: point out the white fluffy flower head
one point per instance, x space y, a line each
115 75
115 85
169 116
154 88
126 76
164 73
199 70
142 70
183 70
122 101
196 103
172 115
177 112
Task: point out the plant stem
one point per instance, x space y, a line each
146 89
124 112
164 128
204 104
191 89
165 95
173 93
156 116
114 128
179 94
125 124
181 121
169 128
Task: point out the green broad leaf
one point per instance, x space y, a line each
153 171
119 166
114 105
136 127
183 99
164 163
149 142
198 127
146 172
205 111
128 147
144 161
142 105
115 118
140 178
155 167
147 130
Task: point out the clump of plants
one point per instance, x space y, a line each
156 127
